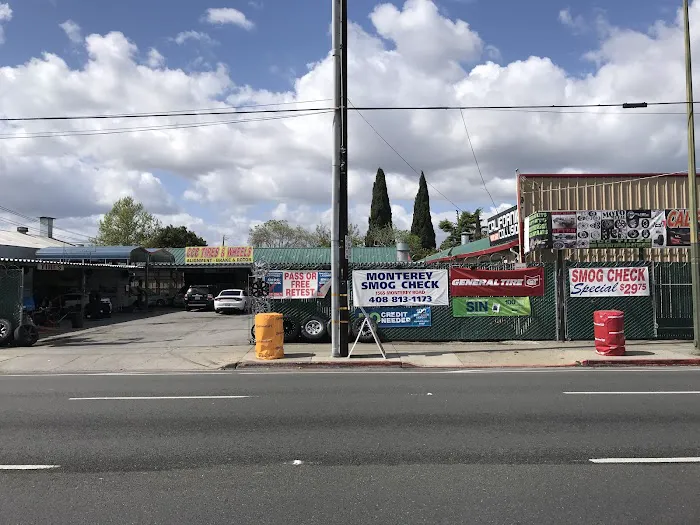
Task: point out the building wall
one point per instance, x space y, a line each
604 192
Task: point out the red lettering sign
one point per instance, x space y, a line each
527 282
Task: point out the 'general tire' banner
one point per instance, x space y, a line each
609 282
526 282
389 287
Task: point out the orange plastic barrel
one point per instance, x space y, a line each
269 336
609 332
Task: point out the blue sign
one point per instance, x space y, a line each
401 316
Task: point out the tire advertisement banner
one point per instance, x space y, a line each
401 316
218 254
525 282
609 282
388 287
289 284
490 306
560 230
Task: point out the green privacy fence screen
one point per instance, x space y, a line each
539 326
11 294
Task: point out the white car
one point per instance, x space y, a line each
231 300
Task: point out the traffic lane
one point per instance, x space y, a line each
338 419
406 494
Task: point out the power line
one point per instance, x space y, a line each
197 113
34 219
483 181
401 156
117 131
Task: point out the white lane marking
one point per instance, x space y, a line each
645 460
150 398
649 393
297 462
28 467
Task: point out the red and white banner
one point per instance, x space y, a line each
609 282
526 282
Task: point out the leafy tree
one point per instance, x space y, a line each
175 237
127 224
422 225
469 222
380 210
280 234
322 235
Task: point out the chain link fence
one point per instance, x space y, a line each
11 294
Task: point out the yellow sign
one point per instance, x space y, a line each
218 254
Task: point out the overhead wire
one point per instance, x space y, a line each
402 157
118 131
237 111
471 146
34 219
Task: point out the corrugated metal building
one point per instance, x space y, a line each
603 191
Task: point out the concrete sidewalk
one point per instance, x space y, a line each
480 355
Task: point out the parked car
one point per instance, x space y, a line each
231 300
200 296
72 301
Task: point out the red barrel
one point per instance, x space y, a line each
609 330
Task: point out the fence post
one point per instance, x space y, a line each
560 295
652 292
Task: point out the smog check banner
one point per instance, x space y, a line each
388 287
526 282
609 282
288 284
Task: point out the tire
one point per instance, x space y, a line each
366 335
160 303
252 332
329 329
6 333
314 329
291 330
188 309
26 335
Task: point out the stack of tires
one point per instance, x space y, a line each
317 329
22 335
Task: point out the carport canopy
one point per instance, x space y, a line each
106 254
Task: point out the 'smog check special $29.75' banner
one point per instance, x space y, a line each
387 287
609 282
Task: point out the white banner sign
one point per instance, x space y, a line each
609 282
388 287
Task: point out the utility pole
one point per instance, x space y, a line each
339 235
692 186
223 240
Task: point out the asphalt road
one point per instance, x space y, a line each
316 447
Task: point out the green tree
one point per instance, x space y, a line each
322 235
380 210
127 224
469 222
389 236
280 234
175 237
422 225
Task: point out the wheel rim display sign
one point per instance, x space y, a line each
291 284
605 229
386 287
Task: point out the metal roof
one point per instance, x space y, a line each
27 240
132 254
33 262
302 256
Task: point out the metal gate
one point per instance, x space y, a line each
11 294
673 300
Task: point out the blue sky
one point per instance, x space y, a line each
287 37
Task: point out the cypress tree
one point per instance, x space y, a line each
422 225
380 211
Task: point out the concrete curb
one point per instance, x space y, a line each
372 364
641 362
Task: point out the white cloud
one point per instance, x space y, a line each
72 31
155 59
576 23
228 15
5 16
197 36
236 173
